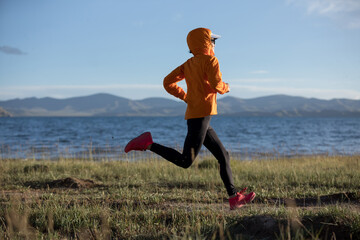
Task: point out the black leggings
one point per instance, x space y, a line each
200 133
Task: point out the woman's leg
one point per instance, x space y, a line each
197 129
214 145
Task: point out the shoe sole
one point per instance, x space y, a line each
243 204
130 146
252 198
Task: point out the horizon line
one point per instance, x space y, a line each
175 99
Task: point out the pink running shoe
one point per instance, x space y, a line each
241 199
139 143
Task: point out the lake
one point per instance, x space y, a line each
106 137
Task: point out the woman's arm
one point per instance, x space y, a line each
170 83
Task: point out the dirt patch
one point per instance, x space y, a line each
69 182
185 185
266 227
36 168
349 197
260 227
72 183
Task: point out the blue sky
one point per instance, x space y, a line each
66 48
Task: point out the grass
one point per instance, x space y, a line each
313 197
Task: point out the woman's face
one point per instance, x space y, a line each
213 44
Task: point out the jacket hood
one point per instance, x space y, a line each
199 41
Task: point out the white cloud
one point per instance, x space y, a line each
346 12
354 23
138 23
304 92
260 72
258 80
83 87
328 7
132 91
177 17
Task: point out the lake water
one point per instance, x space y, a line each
106 137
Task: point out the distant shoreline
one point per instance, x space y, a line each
110 105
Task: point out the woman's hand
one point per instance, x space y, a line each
228 87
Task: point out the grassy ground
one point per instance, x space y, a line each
306 197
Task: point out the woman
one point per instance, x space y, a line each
203 79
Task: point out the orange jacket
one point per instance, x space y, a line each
202 75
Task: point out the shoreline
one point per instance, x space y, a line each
135 156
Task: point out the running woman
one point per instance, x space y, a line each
204 80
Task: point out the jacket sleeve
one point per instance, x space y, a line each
215 77
170 83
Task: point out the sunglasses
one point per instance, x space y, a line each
214 37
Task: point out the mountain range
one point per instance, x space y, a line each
103 104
